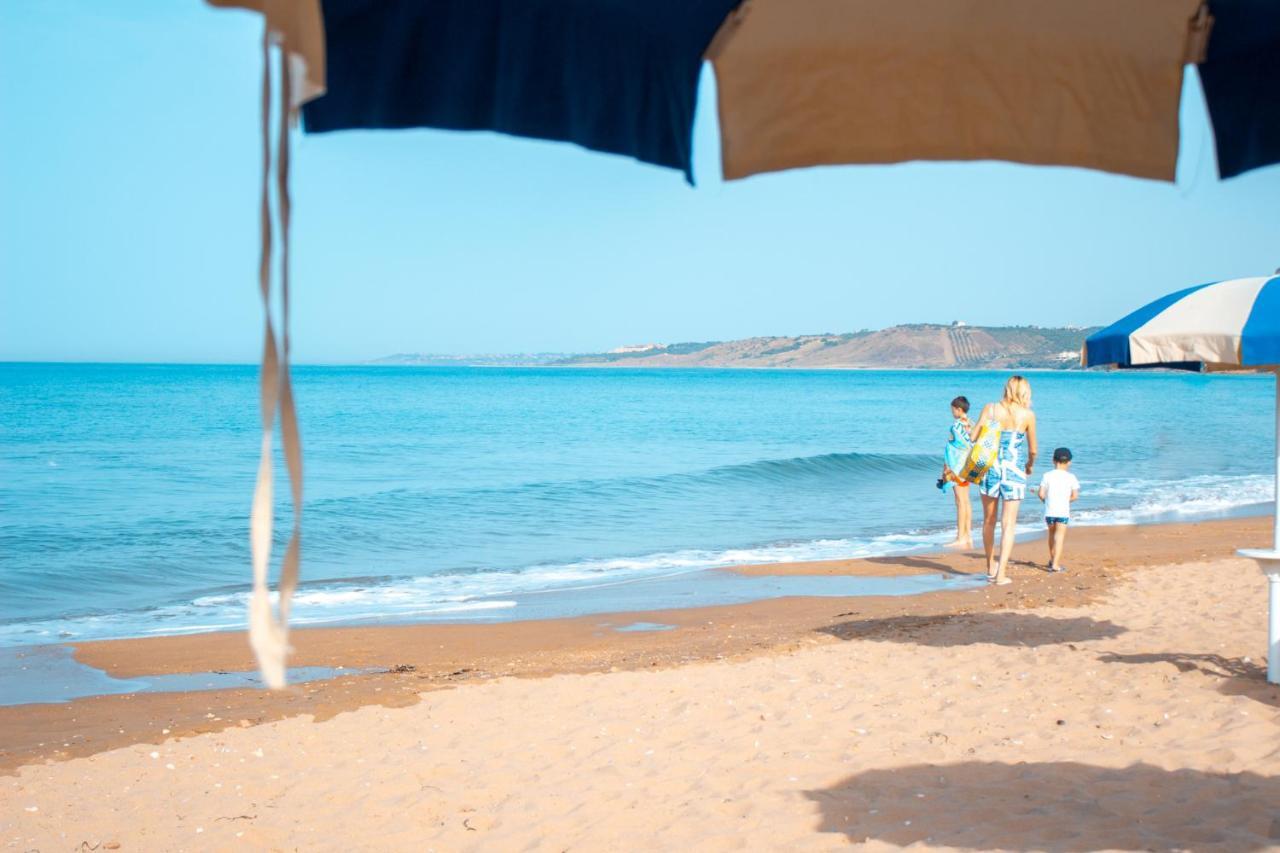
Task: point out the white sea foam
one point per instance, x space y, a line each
1194 497
478 595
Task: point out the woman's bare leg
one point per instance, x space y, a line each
964 518
990 511
1008 531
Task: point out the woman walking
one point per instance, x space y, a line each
1005 483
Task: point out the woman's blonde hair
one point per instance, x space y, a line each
1018 390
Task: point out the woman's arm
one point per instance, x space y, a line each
1032 447
983 417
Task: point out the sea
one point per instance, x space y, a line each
455 494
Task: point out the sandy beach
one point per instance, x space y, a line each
1122 705
318 534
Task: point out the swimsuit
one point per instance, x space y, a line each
1007 479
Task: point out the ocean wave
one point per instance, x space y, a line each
488 594
1205 496
766 473
823 465
445 596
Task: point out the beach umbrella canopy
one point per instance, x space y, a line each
1226 325
1086 83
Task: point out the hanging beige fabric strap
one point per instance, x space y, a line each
268 626
296 28
288 415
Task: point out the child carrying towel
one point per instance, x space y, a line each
954 455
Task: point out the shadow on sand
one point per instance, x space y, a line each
977 567
1238 677
969 564
1004 629
1054 806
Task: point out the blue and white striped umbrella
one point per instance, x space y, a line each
1228 325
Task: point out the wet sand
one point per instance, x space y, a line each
422 658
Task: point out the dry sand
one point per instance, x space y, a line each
1139 719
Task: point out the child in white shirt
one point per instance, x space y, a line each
1058 488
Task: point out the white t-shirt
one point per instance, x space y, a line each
1058 486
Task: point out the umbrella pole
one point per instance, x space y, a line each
1269 561
1275 527
1273 570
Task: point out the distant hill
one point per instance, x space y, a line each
920 345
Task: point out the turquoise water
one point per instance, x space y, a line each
456 493
49 673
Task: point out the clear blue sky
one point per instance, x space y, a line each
128 175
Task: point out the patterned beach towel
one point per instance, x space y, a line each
955 454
